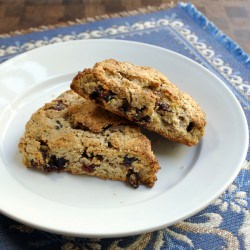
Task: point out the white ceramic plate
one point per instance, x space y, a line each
189 179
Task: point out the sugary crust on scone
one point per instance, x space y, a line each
144 96
74 135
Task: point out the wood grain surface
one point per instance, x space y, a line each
230 16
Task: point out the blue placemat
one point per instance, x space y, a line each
225 224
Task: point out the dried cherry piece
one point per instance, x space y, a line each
55 164
59 126
85 155
140 117
163 107
127 161
98 92
59 162
43 149
59 105
89 168
132 178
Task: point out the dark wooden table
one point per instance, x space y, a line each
231 16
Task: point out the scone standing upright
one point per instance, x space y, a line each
145 96
74 135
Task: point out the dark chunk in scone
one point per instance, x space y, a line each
145 96
75 135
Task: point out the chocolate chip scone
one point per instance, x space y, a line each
145 96
75 135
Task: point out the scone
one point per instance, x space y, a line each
145 96
75 135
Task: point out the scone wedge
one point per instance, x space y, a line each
74 135
145 96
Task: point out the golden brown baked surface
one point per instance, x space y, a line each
75 135
145 96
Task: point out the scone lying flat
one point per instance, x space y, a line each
74 135
145 96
